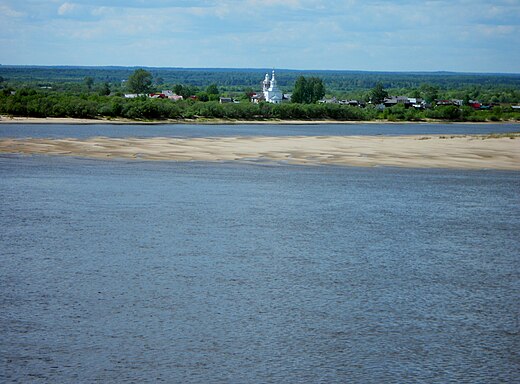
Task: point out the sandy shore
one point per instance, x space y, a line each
73 121
200 121
435 151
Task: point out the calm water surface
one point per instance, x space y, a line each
117 271
186 130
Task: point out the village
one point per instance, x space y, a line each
271 93
411 102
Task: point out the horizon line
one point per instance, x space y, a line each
257 69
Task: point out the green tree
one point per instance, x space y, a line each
105 89
202 96
177 88
318 89
299 94
430 92
212 92
212 89
140 81
89 81
248 93
308 91
187 91
378 94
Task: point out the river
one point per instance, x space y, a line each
129 271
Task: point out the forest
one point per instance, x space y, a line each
98 92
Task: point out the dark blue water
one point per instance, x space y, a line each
184 130
219 273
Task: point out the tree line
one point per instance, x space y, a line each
487 88
99 101
32 103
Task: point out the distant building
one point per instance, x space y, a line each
157 96
270 92
408 102
329 101
168 93
394 100
352 103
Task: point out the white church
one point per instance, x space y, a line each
270 91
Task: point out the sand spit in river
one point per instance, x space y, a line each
425 151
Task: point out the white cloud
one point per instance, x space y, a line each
285 33
102 11
497 30
274 3
66 8
9 12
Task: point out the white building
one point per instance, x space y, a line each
272 93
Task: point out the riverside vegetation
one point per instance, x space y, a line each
90 98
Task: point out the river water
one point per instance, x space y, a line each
212 130
128 271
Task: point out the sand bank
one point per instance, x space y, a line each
199 121
202 121
435 151
72 121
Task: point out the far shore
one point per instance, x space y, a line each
201 121
500 152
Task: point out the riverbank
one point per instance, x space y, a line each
117 121
501 152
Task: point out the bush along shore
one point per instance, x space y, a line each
39 104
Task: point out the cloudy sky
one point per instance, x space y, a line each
399 35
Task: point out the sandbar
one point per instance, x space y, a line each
501 152
216 121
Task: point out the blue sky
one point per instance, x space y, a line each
464 36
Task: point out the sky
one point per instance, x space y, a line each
368 35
